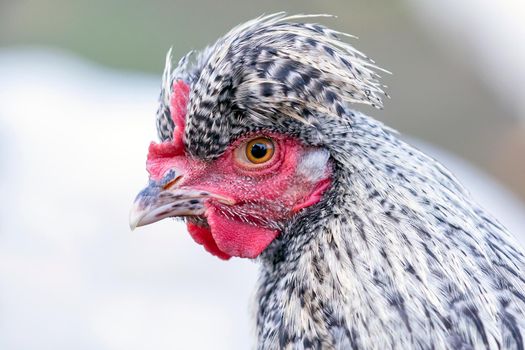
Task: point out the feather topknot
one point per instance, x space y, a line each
274 65
343 65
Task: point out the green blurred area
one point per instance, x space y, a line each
136 34
435 96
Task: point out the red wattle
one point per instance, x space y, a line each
202 235
236 238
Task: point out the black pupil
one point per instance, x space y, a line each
259 150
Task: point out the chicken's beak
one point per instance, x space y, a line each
153 204
163 199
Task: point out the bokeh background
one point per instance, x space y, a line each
78 88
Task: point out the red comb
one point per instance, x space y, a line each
179 105
168 149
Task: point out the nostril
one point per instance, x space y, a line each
172 183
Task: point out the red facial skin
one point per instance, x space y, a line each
263 196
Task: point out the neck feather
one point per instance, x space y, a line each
393 254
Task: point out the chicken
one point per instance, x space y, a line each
363 241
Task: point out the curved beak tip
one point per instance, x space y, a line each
132 225
135 217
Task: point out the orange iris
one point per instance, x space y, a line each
259 150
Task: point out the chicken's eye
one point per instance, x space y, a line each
259 150
256 153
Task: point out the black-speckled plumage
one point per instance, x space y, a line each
396 255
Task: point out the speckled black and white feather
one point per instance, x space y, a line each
397 255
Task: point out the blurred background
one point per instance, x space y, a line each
78 88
